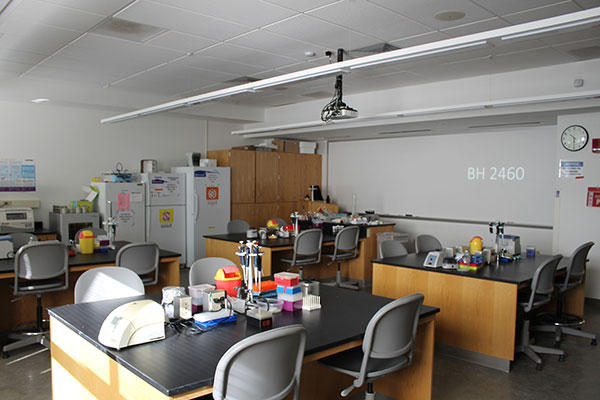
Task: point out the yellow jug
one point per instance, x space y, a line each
476 244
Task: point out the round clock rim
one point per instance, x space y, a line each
587 137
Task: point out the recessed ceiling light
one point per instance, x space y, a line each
40 100
449 15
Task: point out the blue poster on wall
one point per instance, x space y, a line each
17 175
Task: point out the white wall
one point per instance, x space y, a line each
69 146
575 222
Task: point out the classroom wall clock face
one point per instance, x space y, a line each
574 138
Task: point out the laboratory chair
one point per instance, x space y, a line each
19 239
280 222
345 248
307 250
391 248
426 243
387 347
96 231
237 226
205 269
142 258
40 267
266 365
561 322
106 283
542 287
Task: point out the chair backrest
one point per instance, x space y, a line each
41 260
427 243
308 243
141 257
280 221
20 239
391 333
96 231
263 366
237 226
105 283
205 269
576 268
391 248
346 240
542 284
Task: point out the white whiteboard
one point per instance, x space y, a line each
428 176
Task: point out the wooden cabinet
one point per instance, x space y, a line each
267 177
243 174
268 184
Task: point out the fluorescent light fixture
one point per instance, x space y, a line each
421 54
323 74
40 100
439 110
551 28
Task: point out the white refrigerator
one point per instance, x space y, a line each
208 206
165 211
128 208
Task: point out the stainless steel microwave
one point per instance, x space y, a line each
67 225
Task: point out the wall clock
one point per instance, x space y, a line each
574 137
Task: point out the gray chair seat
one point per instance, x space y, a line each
42 286
302 260
341 256
349 363
538 300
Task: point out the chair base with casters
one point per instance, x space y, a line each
567 324
340 282
532 350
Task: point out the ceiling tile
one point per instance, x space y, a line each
303 5
583 50
564 37
23 57
476 27
253 13
369 19
45 40
178 71
267 41
321 33
180 41
176 19
13 67
87 76
217 64
103 7
585 4
424 11
512 6
232 52
419 39
38 12
541 13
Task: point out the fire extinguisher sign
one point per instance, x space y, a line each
593 197
212 193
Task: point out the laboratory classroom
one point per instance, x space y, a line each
452 118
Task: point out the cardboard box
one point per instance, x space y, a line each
280 144
292 147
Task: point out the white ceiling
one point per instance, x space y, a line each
197 46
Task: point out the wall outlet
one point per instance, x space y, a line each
12 203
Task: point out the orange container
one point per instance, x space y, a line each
86 242
228 278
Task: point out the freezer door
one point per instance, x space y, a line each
165 189
129 210
212 198
165 226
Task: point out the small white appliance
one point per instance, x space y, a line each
6 247
67 225
165 211
128 208
16 219
208 206
133 323
434 259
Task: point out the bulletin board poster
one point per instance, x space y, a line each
17 175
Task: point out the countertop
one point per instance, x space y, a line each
517 272
7 265
269 243
182 363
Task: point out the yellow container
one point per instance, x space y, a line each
86 242
476 244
